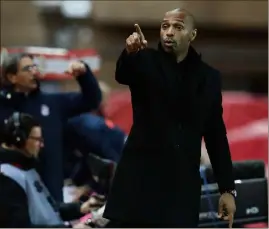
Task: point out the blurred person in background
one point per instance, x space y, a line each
176 100
93 133
24 199
20 92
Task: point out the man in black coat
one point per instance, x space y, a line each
20 92
177 101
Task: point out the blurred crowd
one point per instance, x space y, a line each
79 146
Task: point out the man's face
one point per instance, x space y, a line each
25 79
176 32
34 142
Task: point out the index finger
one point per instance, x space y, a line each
139 31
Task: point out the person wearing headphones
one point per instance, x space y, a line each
21 91
24 199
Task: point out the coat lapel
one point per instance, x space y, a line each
167 67
191 86
183 96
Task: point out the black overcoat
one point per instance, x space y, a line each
157 181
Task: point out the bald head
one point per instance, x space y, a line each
185 13
177 31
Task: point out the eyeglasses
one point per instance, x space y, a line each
39 139
29 68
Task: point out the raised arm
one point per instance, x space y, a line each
129 63
89 97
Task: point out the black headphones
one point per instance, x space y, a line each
18 136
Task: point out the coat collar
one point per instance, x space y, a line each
185 94
192 57
17 159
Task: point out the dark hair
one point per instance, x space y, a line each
10 66
26 124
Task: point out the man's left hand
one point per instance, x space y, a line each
76 69
227 208
93 203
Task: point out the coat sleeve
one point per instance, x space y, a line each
87 100
14 211
70 211
128 68
13 204
217 143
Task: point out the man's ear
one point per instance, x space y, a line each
193 35
11 78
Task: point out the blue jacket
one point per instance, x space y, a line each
89 133
52 110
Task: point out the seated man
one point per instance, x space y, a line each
24 199
100 145
91 133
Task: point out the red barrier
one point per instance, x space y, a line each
245 115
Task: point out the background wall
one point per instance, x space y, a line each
232 34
